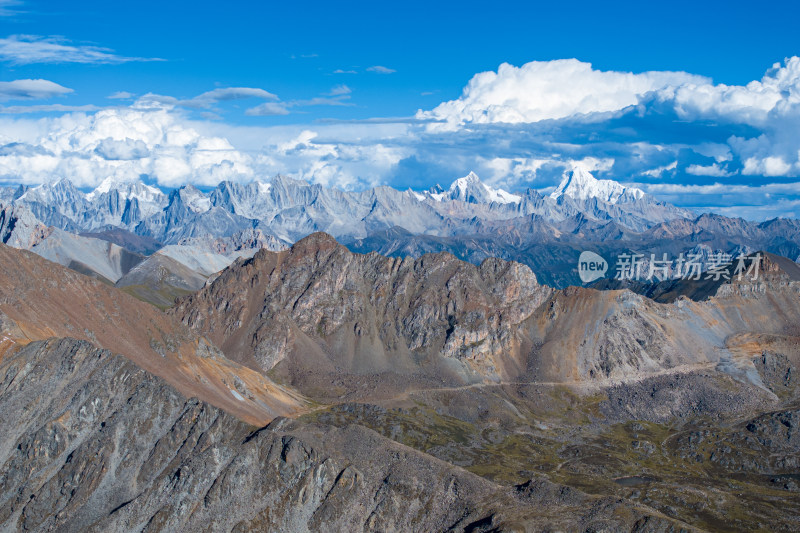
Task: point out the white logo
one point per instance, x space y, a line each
591 267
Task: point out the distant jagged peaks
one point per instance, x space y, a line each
56 191
579 184
127 189
289 209
472 190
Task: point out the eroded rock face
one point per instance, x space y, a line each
20 228
91 442
368 313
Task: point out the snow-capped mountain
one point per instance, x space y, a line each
580 192
194 199
469 219
128 189
471 189
289 209
579 184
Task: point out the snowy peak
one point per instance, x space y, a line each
193 198
128 189
55 192
472 190
579 184
469 182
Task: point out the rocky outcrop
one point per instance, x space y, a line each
20 229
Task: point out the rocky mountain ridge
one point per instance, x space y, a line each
318 313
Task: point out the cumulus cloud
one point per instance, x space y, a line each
125 143
756 124
768 166
31 90
121 150
379 69
542 90
29 49
335 163
777 93
163 144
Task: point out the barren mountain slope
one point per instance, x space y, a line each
39 299
159 279
582 334
319 310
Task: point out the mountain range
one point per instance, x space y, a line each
206 231
289 209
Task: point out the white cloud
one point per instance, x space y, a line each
342 71
28 49
123 143
207 99
339 164
267 109
542 90
46 108
378 69
778 93
767 166
711 170
658 171
31 90
121 95
339 90
7 8
510 172
592 164
122 150
160 142
668 137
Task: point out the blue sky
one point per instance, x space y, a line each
358 94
